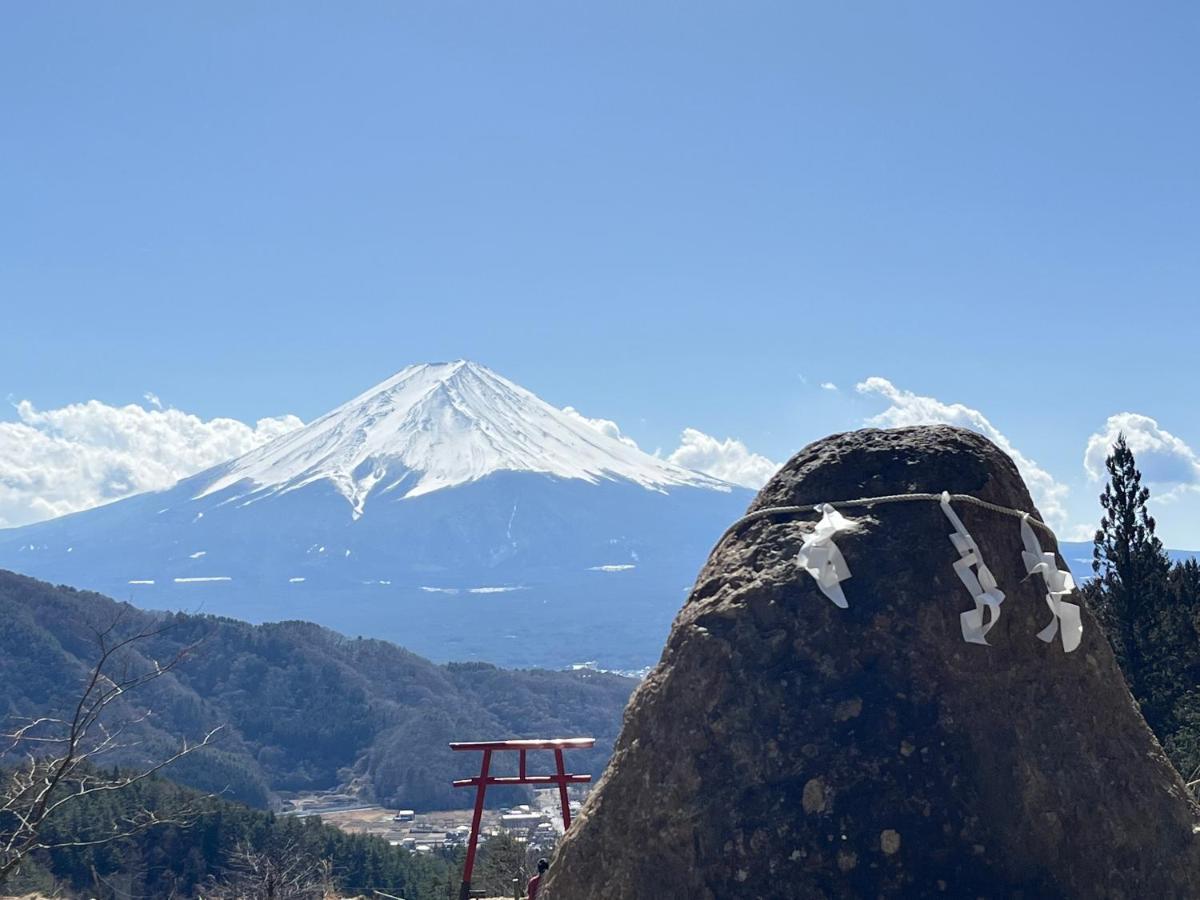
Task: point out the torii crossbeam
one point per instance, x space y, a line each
561 777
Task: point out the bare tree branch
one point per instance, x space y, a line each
281 873
58 755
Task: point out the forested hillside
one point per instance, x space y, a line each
304 708
216 849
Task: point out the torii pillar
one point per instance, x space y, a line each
561 777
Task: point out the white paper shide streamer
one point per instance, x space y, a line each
977 622
1058 584
821 558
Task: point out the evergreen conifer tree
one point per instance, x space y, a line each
1151 611
1130 564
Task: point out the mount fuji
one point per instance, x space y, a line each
446 509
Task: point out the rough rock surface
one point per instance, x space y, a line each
787 748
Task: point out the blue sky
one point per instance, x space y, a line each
670 215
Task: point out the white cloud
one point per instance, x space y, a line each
606 427
828 386
908 408
64 460
729 459
152 398
1162 458
1080 533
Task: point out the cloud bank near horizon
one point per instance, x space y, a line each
907 408
729 459
60 461
1163 459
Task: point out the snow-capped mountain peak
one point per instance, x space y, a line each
436 426
445 494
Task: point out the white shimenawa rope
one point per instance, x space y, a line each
872 501
822 559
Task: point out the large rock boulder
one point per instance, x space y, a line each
785 747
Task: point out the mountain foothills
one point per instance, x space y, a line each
304 708
446 509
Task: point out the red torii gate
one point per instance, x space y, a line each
562 778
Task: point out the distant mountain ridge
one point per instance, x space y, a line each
446 509
304 708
